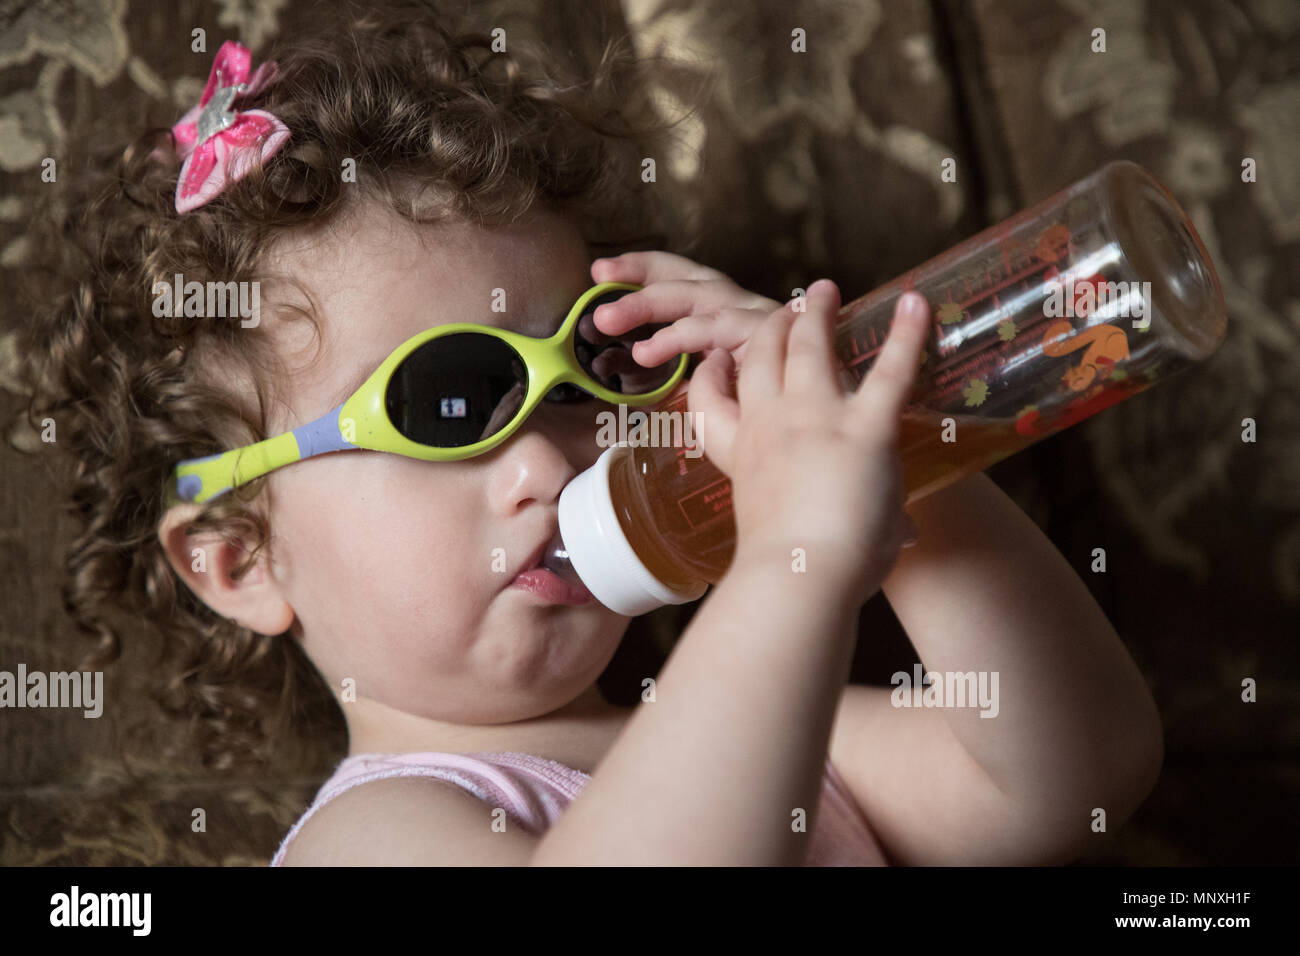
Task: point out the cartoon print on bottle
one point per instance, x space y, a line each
1106 344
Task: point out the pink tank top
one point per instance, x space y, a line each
534 791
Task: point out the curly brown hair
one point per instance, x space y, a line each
439 126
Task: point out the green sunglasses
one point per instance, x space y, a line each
451 393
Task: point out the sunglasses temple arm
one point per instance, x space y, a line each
202 479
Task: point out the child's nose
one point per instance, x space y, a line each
529 468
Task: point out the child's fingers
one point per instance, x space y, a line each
710 403
763 374
811 364
883 394
669 300
643 268
724 329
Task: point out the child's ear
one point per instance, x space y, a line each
205 560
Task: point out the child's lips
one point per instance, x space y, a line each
550 587
546 584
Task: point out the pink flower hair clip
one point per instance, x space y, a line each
220 144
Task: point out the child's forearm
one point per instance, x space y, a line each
712 771
986 590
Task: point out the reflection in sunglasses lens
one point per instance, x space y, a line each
456 390
608 359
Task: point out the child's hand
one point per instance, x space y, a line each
811 466
707 310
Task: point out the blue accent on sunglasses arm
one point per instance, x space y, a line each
214 475
322 435
188 486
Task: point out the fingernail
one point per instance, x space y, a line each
911 302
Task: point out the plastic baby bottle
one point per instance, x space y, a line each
1039 322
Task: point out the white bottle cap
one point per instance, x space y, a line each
600 552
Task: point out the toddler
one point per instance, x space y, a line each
391 175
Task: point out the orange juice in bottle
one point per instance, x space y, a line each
1039 322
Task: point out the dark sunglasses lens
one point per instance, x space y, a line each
456 390
609 360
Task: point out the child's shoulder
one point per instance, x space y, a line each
406 821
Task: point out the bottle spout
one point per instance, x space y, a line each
556 560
